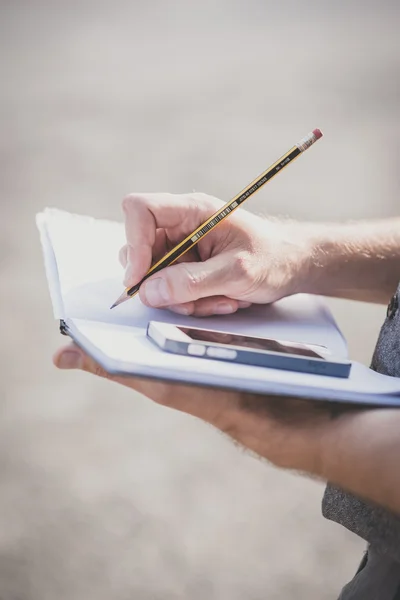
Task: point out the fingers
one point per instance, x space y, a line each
186 282
159 249
140 231
209 405
71 357
205 307
145 213
123 256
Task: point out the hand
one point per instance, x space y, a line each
356 450
246 259
288 432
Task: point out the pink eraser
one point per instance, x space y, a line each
318 133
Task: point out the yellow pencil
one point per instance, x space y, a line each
193 238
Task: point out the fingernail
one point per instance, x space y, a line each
243 304
128 275
156 292
181 310
223 309
69 360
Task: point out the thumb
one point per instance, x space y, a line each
186 282
69 357
189 399
72 357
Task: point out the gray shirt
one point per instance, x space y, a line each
378 577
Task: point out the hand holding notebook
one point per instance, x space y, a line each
266 409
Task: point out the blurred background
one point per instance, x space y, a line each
103 495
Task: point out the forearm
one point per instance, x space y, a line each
356 450
359 261
360 452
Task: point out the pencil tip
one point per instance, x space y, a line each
123 298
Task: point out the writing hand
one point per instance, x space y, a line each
245 259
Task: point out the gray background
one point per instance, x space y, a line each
104 495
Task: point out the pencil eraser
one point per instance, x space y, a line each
318 133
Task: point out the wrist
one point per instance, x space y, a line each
283 257
327 251
305 250
288 432
350 260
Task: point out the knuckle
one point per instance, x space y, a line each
172 289
241 267
100 372
132 202
181 285
206 201
127 203
247 273
200 196
189 280
123 255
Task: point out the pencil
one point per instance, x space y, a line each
193 238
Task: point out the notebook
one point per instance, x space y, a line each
84 278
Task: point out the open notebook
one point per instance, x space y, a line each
85 277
